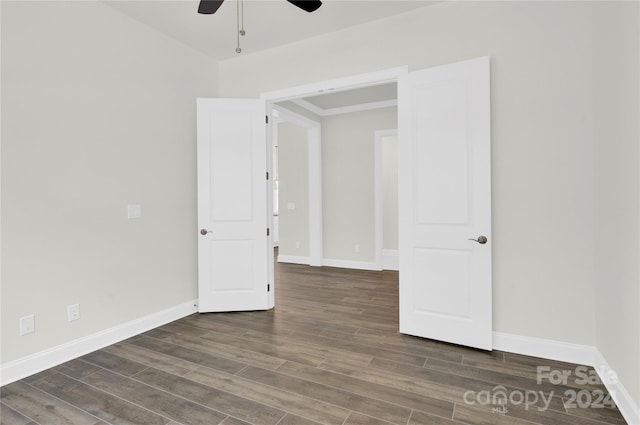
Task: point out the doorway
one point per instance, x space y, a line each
444 198
307 199
353 200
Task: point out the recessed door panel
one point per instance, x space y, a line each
442 171
232 170
444 287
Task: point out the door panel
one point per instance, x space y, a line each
444 202
231 145
232 205
449 271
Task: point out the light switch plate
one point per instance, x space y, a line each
73 312
134 211
27 325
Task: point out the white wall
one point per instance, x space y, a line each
294 188
98 112
565 221
617 188
348 187
542 150
348 182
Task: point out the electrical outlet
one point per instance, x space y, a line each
27 325
73 312
298 245
356 248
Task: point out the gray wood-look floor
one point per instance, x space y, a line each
329 353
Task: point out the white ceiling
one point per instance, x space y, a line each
354 97
268 23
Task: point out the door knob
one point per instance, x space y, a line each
481 240
203 232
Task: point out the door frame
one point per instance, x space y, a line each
389 75
314 188
336 85
379 199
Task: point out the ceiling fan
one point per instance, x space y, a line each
208 7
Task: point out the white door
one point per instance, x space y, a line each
445 203
233 245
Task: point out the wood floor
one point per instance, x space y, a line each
329 353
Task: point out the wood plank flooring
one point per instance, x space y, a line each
329 353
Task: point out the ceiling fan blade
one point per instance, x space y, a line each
208 7
306 5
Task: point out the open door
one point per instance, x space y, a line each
444 198
445 203
233 241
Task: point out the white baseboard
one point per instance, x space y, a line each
347 264
29 365
293 259
344 264
627 406
572 353
390 259
545 348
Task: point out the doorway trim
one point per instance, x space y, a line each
336 85
379 200
314 163
375 78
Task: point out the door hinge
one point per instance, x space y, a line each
266 118
268 287
267 175
267 231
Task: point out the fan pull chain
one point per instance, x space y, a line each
242 31
238 49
